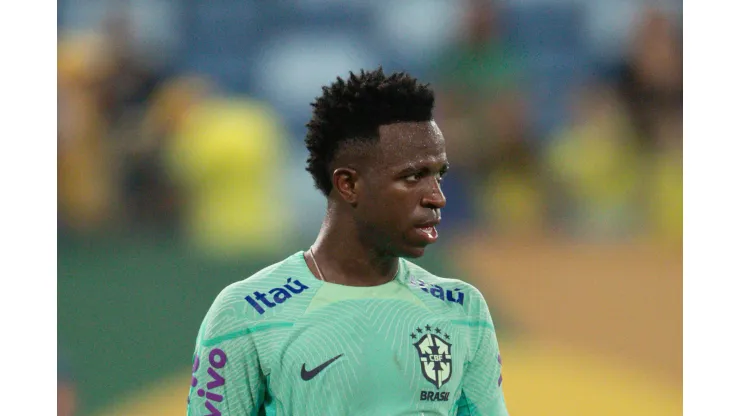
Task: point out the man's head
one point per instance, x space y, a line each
377 154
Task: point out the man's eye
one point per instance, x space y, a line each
416 177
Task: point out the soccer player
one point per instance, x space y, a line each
349 326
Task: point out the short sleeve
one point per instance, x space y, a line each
226 377
482 392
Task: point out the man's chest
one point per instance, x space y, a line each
370 355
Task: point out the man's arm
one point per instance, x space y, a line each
227 377
482 392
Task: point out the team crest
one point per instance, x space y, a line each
435 355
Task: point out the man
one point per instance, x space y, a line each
349 327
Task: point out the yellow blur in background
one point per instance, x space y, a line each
225 156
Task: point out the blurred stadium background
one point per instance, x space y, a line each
181 170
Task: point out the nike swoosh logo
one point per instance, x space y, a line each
308 375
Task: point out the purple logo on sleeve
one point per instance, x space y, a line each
217 360
196 364
500 377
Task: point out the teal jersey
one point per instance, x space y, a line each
283 342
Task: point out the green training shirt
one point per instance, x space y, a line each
283 342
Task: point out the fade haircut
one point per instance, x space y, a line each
352 111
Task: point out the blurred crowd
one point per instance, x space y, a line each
611 167
541 140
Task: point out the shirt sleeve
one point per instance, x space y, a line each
226 377
482 392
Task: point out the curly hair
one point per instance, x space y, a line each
354 109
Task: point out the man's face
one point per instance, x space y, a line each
399 198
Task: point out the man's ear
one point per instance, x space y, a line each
346 182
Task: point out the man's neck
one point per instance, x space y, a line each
343 259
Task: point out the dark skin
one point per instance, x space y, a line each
382 192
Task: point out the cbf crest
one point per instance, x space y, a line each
435 355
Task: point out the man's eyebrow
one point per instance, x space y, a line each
408 168
416 166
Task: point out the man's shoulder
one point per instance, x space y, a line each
448 289
260 280
234 307
418 274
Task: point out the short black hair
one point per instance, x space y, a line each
354 109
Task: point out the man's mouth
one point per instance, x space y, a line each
428 233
